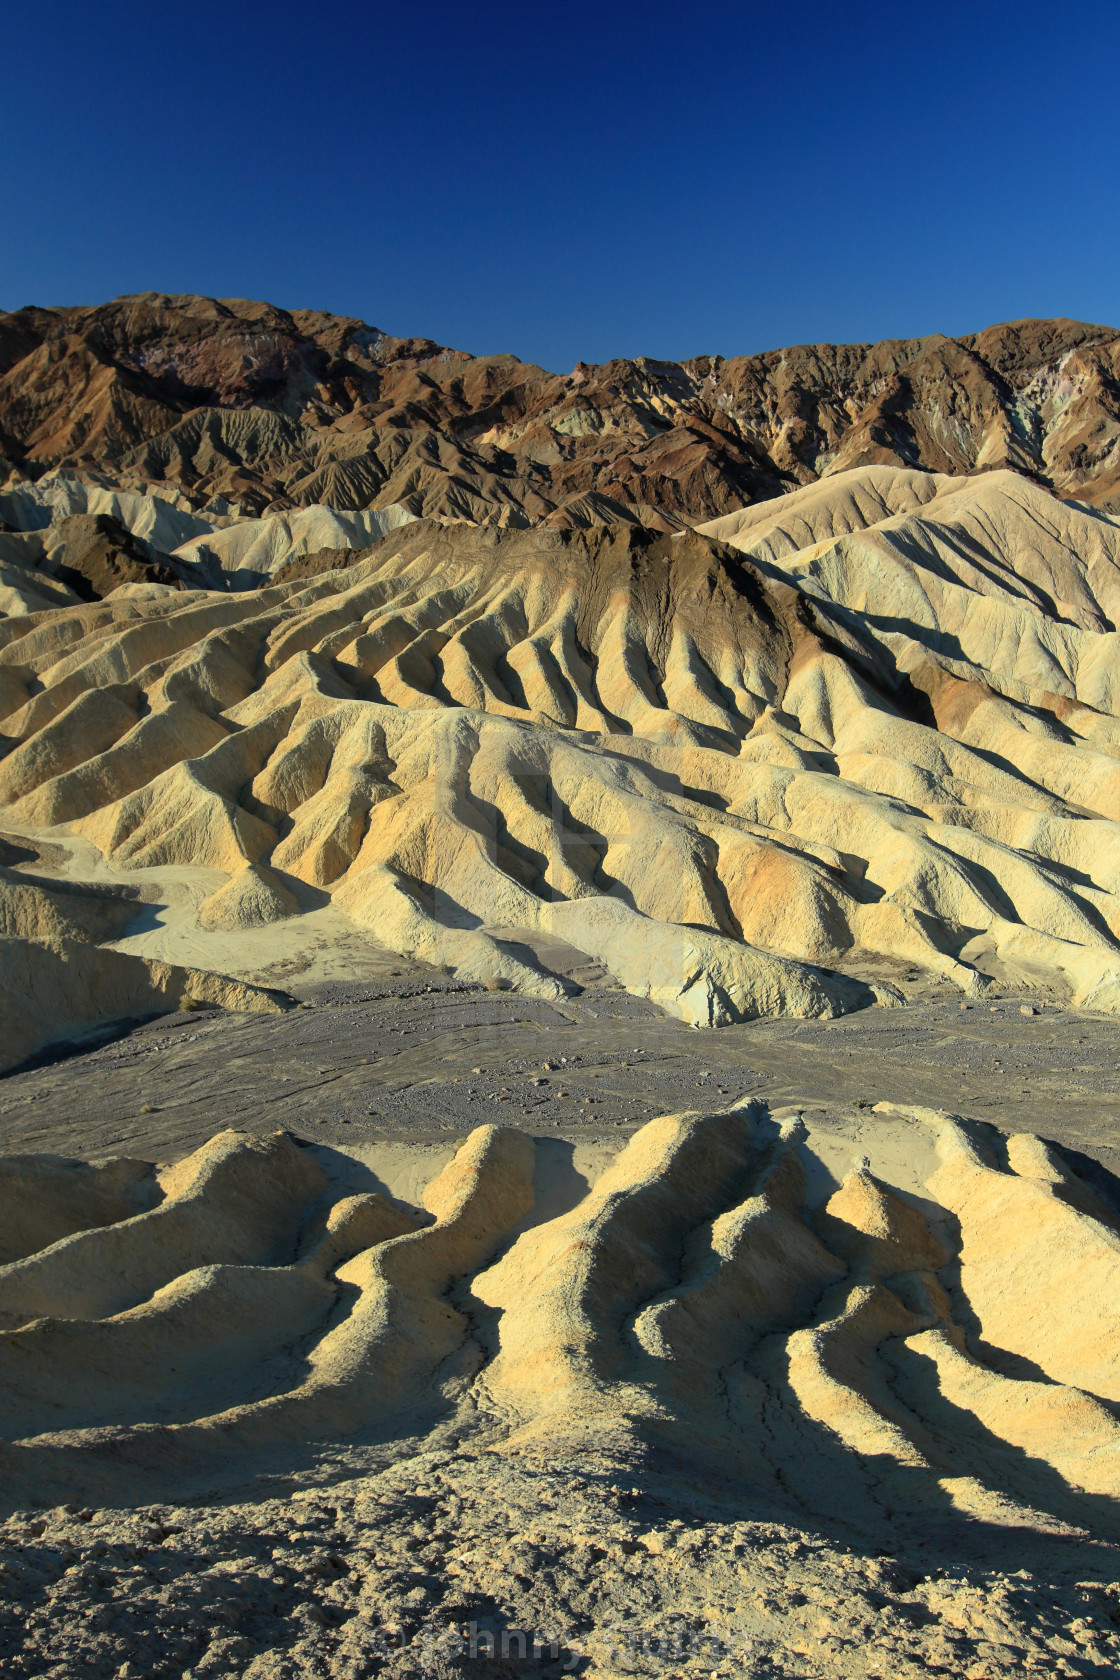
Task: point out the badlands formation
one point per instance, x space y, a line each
656 699
763 766
661 1410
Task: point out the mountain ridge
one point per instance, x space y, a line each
264 409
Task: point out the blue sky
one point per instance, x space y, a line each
571 181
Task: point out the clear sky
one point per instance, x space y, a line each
571 180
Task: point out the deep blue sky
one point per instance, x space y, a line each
572 179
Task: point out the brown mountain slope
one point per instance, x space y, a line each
267 408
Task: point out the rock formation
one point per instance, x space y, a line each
752 688
747 768
871 1356
241 405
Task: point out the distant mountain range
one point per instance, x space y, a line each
242 407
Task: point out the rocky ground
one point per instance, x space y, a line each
443 1564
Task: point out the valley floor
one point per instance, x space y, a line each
415 1056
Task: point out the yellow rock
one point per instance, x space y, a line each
876 718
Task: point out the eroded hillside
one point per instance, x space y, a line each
746 769
663 1407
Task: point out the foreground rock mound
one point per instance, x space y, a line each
868 1360
702 1405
